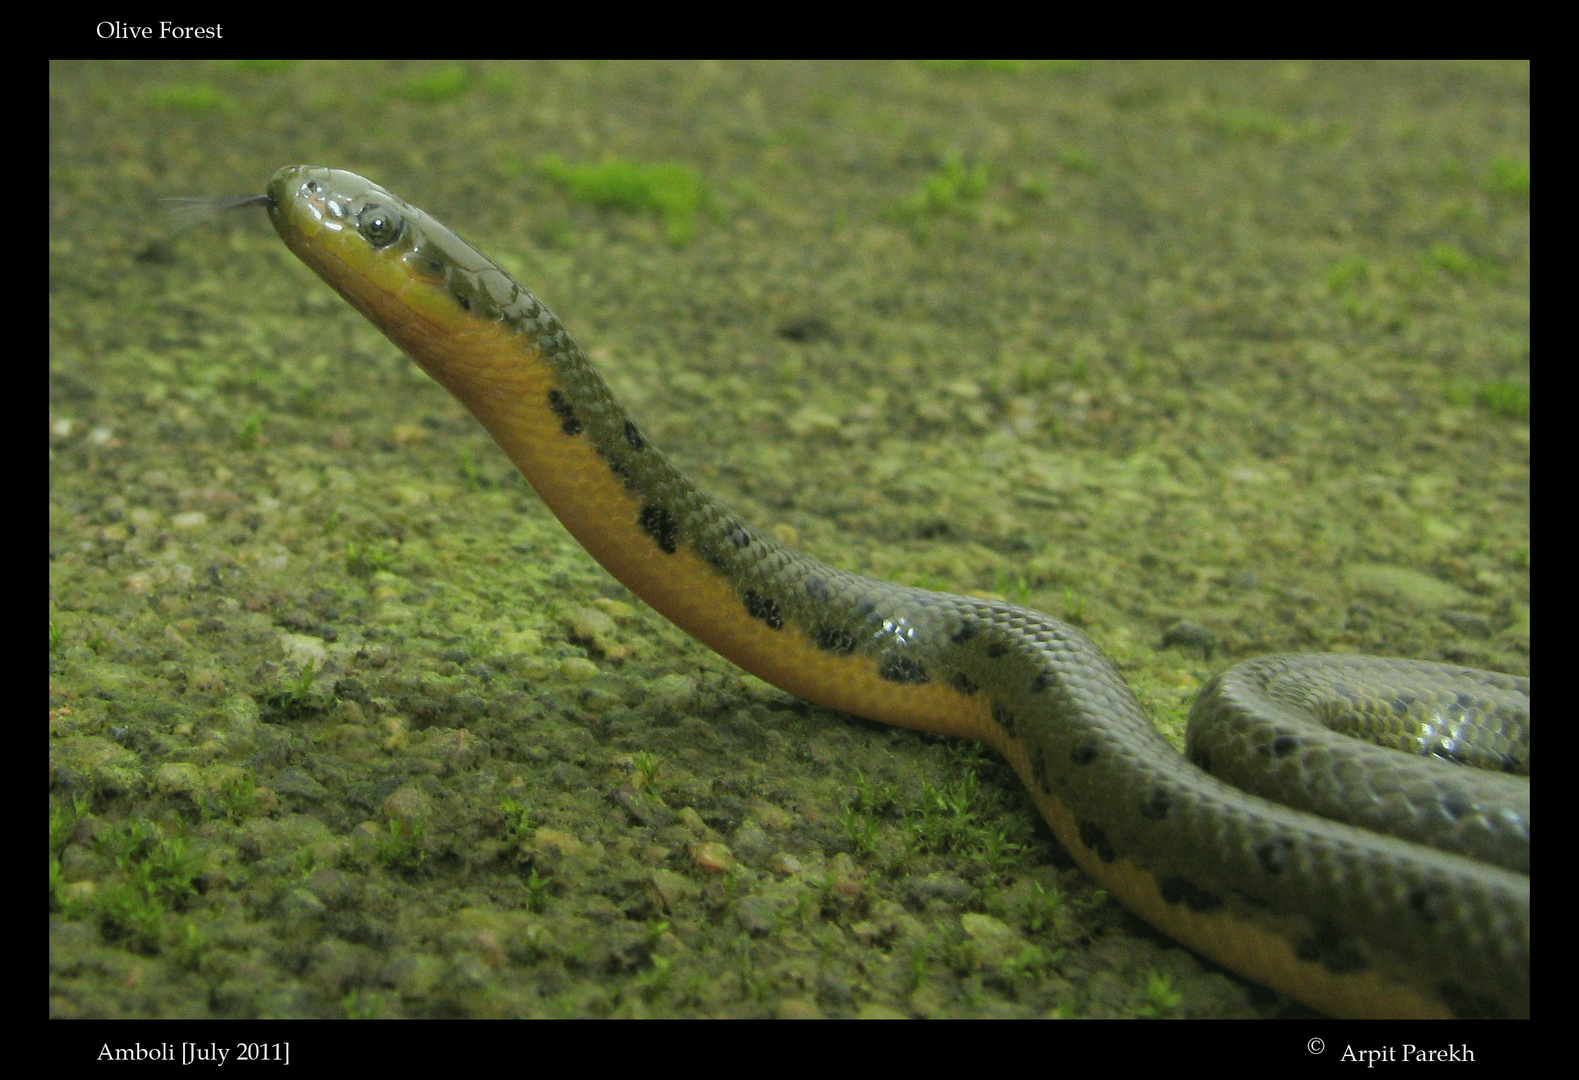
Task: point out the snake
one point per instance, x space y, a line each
1429 917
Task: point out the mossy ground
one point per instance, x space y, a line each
1238 351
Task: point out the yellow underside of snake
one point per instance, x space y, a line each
1336 916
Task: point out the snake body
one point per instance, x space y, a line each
1347 921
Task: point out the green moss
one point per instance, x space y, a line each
57 884
668 190
188 97
299 697
1453 259
1347 273
249 433
154 874
1245 124
128 915
1161 998
365 560
1505 397
1248 124
963 818
469 472
517 820
1509 177
63 818
190 944
235 797
362 1005
401 849
537 889
1016 589
646 766
952 189
1003 67
860 831
267 67
1074 607
431 87
862 817
1076 160
163 864
1042 910
1031 964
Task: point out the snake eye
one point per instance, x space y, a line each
379 225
